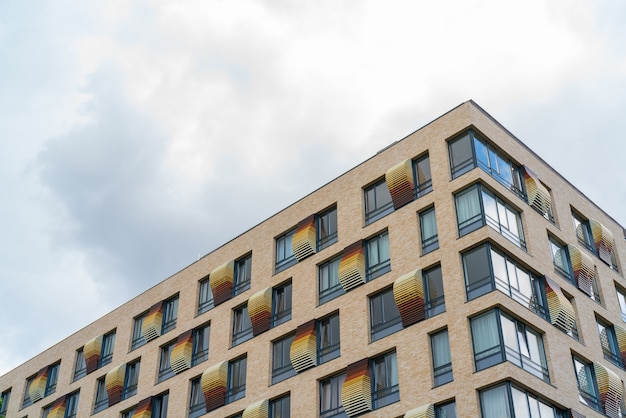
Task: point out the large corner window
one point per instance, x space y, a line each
243 275
487 269
377 257
378 201
330 397
428 230
476 206
498 337
442 363
507 400
326 228
284 251
205 296
242 327
328 280
469 151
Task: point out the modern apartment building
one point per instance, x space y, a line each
453 274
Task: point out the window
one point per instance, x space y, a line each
470 151
205 296
583 232
487 269
586 379
102 397
378 201
280 407
328 338
621 299
165 368
53 376
131 378
242 327
446 410
284 251
281 304
385 388
80 366
423 178
4 398
281 362
71 405
138 339
442 364
170 314
200 349
197 404
498 337
433 287
384 315
428 231
377 258
328 276
477 206
106 353
326 228
608 341
159 405
129 412
243 275
507 400
330 397
560 259
236 380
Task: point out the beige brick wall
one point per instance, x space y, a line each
412 344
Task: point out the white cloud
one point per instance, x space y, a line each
138 114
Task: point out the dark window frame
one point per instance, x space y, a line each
442 373
335 406
236 387
371 198
329 286
281 303
205 296
282 369
242 274
200 353
384 314
285 257
165 370
328 343
326 235
429 243
241 325
423 185
170 314
385 390
374 269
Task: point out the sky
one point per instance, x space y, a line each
139 135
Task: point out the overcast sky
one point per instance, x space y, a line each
136 136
